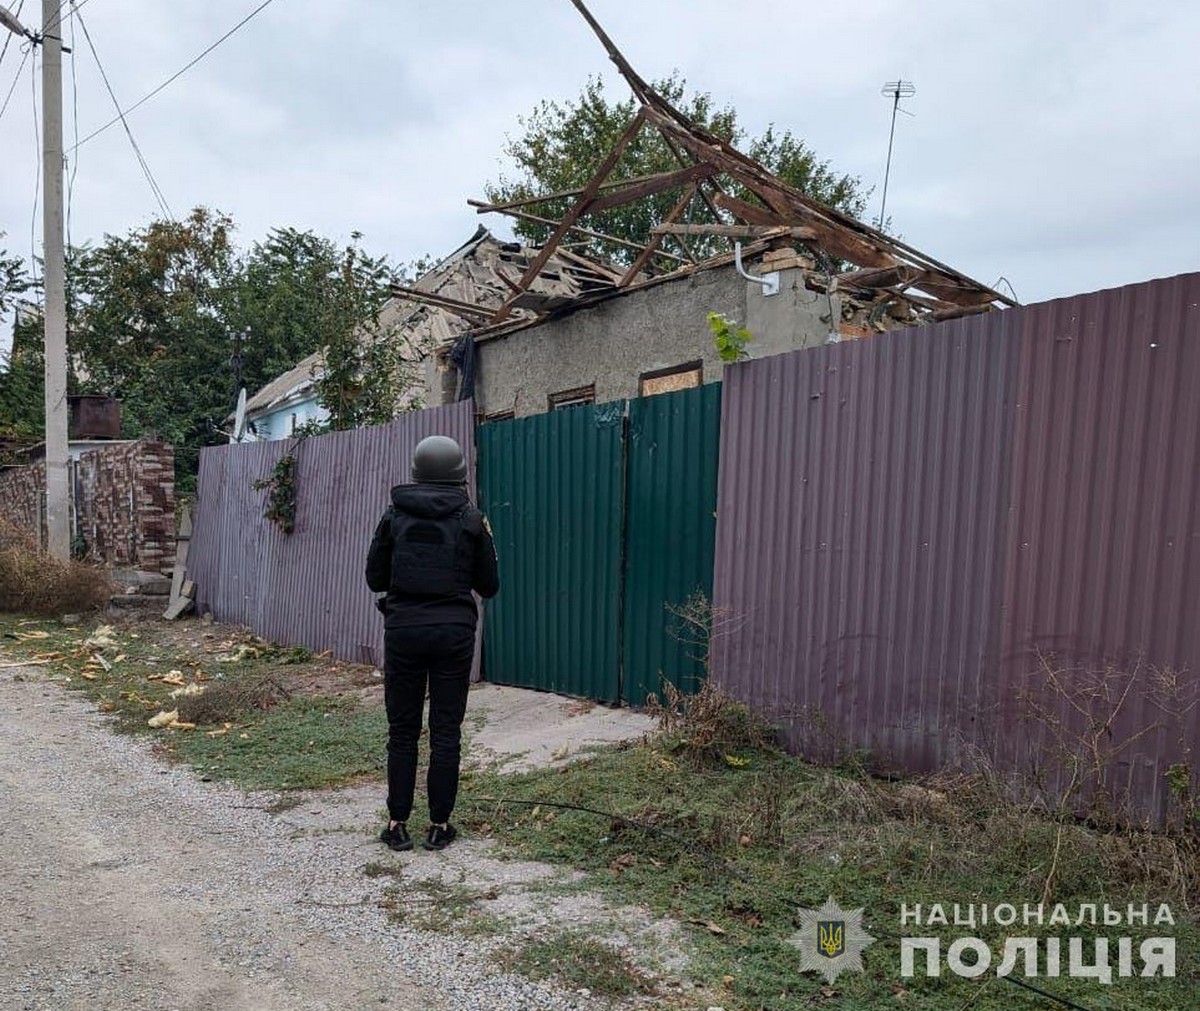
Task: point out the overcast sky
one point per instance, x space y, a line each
1054 143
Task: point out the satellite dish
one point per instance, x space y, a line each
239 418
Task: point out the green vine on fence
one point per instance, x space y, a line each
729 338
281 502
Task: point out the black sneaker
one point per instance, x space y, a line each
440 836
397 838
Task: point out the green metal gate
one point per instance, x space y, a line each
671 502
604 518
553 487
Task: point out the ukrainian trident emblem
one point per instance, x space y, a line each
831 940
831 937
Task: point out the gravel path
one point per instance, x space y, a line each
130 885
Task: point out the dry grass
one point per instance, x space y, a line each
229 701
33 583
709 726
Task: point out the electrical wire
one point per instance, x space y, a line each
1010 287
8 36
154 187
714 859
27 48
179 73
37 182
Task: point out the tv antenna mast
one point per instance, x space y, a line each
895 90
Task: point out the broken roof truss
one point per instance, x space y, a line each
854 258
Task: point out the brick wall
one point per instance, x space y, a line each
22 490
124 502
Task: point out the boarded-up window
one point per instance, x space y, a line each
573 398
678 377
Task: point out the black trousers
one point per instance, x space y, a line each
437 656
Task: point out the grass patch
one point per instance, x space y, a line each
735 847
576 960
438 906
245 725
303 743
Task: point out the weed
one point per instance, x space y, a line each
441 907
304 742
731 852
374 869
233 699
709 727
577 960
31 582
1087 715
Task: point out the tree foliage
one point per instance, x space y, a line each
148 327
22 365
168 317
561 145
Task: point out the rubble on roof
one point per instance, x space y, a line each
458 294
878 278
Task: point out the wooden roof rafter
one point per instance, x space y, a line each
759 201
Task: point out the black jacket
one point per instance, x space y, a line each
447 506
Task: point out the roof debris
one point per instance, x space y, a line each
883 282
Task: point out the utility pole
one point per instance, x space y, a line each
58 500
54 313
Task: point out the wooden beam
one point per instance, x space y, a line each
648 187
886 277
801 232
574 213
441 301
635 268
483 207
749 212
581 230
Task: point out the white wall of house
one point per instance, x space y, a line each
283 419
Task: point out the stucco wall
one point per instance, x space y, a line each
277 422
612 344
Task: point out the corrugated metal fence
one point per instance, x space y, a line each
979 540
604 526
307 587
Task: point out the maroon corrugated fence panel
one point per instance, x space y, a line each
1102 558
858 539
933 544
308 587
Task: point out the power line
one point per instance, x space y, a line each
74 119
154 187
37 182
8 36
28 48
179 73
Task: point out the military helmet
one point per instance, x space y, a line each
438 459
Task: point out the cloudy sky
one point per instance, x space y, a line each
1056 144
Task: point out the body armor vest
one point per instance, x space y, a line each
433 556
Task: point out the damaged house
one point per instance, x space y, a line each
794 272
429 318
524 330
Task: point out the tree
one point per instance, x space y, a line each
364 370
157 316
561 145
22 414
147 327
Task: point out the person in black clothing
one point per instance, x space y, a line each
430 550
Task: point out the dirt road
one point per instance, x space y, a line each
129 885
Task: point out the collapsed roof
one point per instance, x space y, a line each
877 272
458 293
